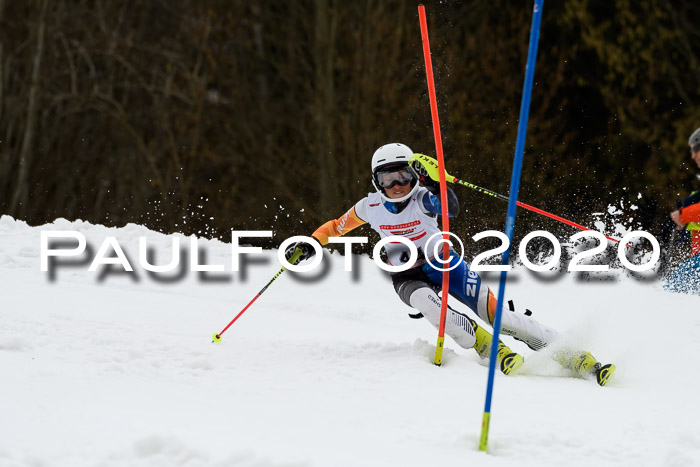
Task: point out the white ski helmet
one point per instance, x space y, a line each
395 157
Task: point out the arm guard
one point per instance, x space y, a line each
431 202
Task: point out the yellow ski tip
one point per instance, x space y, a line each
604 374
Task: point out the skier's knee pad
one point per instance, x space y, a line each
405 289
486 305
457 326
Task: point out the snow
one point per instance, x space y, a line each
118 369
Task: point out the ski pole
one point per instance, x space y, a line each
217 336
433 169
528 207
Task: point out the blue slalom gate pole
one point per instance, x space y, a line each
510 219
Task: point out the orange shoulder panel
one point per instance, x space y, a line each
338 227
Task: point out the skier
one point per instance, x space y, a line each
401 206
686 278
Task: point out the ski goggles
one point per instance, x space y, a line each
389 178
695 148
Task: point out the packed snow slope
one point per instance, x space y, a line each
109 368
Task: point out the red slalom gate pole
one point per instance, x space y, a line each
526 206
560 219
443 182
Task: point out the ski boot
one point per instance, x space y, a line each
603 372
586 365
508 360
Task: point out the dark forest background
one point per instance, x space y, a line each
206 116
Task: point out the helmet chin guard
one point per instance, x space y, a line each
389 155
